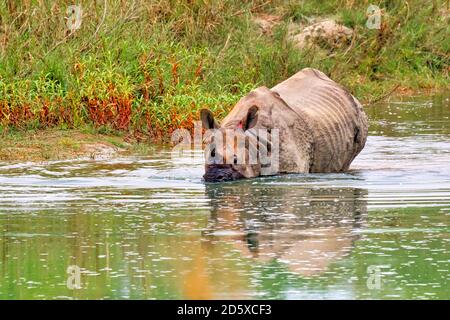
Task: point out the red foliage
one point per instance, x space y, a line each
115 111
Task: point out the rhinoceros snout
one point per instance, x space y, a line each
221 173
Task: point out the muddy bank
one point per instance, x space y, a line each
56 144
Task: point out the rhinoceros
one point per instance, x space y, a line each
320 127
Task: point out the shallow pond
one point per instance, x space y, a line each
149 228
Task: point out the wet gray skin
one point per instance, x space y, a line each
151 228
320 128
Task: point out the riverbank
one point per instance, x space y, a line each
58 144
93 143
148 68
52 144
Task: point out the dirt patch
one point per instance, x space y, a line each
314 32
324 32
47 145
99 150
266 22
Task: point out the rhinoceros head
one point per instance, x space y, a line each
228 148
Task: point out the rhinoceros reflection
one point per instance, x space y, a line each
305 228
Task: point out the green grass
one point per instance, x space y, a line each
149 66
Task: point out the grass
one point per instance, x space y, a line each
57 144
145 68
62 144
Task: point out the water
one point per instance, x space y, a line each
149 228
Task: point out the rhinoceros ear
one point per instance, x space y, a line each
251 119
208 120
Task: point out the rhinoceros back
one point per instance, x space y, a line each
336 119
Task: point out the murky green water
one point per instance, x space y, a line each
149 228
